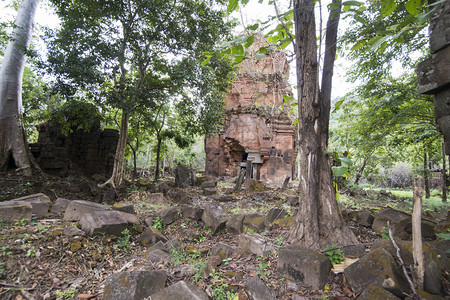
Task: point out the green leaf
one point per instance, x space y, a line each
387 7
237 50
340 171
249 42
346 160
232 5
260 55
253 27
238 59
358 45
286 43
206 61
413 7
352 3
338 104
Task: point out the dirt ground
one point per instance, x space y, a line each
37 261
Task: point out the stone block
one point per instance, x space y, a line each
285 222
11 211
131 218
397 219
134 285
442 104
443 125
439 29
169 215
182 177
362 217
303 266
223 198
379 268
433 74
124 207
256 244
255 221
181 291
77 208
158 256
60 205
275 214
208 184
191 212
374 292
209 191
151 236
107 222
178 196
40 203
214 217
432 276
258 290
235 224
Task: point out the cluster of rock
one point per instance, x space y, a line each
375 275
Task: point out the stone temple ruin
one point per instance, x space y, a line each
256 126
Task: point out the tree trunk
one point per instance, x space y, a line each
158 150
318 222
361 170
14 150
117 175
425 174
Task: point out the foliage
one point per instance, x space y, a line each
219 287
334 254
279 240
158 223
263 268
68 294
124 241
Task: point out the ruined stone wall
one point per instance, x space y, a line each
87 152
256 127
434 73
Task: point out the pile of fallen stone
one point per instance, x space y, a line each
375 275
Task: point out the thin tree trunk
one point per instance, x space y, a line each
318 222
14 151
425 174
361 170
117 175
158 150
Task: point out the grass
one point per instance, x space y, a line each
433 203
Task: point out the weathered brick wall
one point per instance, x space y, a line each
255 125
86 152
433 74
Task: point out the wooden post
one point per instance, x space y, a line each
418 274
444 175
425 173
248 175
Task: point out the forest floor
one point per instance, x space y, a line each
37 261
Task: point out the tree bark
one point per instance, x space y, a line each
361 170
117 175
158 151
318 223
14 150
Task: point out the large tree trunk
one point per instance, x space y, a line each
14 151
117 175
318 222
